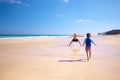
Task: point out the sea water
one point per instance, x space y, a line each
18 36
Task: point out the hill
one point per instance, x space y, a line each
111 32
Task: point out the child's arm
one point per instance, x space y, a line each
84 42
94 43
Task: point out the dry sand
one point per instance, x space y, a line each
51 59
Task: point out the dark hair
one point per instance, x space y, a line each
88 35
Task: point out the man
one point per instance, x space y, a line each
75 39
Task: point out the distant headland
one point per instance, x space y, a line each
111 32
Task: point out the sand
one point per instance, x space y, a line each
50 58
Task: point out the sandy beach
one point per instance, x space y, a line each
50 58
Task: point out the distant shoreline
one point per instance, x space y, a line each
11 36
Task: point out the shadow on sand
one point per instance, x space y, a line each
80 60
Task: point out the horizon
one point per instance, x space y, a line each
51 33
58 16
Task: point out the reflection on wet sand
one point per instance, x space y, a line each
75 50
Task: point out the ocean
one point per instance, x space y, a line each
16 36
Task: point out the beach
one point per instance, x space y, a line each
50 58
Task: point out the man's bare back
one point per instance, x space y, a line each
75 39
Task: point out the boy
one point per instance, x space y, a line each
88 42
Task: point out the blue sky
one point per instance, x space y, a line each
58 16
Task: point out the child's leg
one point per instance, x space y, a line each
90 53
87 53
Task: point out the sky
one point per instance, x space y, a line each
58 16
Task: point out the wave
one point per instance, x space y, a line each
29 36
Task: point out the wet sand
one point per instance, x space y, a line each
51 59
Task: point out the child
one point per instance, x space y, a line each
75 39
88 42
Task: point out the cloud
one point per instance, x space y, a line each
15 2
82 20
66 1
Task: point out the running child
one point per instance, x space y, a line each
87 43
